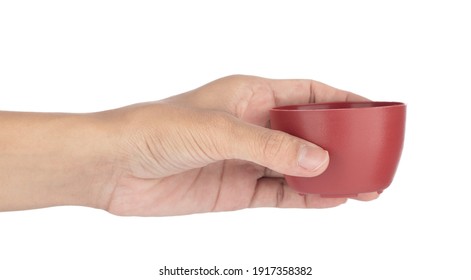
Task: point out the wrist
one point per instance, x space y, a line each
94 155
54 159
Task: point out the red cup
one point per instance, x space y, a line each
364 141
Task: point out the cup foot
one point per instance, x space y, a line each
353 195
339 195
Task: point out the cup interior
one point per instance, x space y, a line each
337 106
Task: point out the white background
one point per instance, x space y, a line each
82 56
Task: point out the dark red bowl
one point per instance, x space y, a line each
364 141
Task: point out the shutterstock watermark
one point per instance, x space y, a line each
253 271
214 271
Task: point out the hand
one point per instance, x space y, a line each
210 149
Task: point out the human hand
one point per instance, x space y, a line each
211 149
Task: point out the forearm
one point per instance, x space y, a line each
53 159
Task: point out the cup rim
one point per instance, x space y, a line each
338 106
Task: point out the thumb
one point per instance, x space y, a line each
276 150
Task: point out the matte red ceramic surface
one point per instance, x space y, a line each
364 141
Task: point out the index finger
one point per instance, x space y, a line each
291 92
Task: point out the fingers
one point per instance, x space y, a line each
273 192
288 92
275 150
230 92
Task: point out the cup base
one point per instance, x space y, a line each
353 195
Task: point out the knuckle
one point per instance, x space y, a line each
275 144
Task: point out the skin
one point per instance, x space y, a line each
209 149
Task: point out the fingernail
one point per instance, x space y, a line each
312 158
